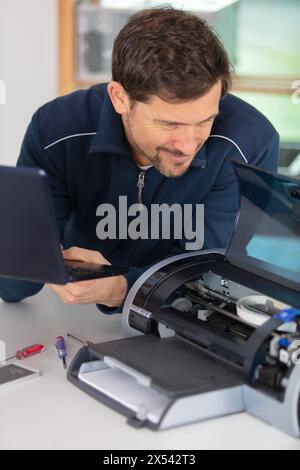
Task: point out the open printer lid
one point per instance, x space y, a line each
266 238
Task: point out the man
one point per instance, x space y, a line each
163 131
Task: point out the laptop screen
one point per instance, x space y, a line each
266 239
29 237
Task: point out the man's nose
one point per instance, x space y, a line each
188 140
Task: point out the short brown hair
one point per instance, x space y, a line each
169 53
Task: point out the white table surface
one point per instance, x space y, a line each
50 413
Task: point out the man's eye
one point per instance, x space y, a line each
206 123
170 126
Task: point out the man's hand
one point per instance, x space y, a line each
109 291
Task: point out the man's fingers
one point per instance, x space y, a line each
53 286
107 291
81 254
69 293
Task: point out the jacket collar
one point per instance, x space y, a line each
110 136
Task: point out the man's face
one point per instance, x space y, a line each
168 135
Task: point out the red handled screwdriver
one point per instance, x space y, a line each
27 352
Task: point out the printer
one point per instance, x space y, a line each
216 332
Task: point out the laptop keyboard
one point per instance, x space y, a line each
87 271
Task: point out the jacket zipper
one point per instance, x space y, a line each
140 185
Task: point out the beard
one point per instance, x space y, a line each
174 170
170 171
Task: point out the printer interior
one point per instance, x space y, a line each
211 302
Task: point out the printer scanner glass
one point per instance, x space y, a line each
266 240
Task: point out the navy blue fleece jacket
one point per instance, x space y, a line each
79 140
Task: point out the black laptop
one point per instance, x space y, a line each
29 236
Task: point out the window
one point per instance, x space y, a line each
262 39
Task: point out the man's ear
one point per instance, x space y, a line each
119 97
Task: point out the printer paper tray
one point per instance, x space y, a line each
157 382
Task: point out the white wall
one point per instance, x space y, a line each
28 66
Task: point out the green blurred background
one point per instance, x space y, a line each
262 38
268 43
